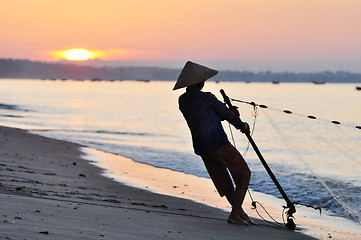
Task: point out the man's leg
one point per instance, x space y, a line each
217 164
241 175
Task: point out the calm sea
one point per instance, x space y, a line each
316 161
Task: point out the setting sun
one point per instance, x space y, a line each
77 54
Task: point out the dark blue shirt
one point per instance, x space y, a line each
204 113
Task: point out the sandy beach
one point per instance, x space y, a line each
49 192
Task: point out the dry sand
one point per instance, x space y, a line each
47 191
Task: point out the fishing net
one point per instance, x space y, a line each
316 160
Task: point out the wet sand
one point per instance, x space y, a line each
48 189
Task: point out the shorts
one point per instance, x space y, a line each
227 158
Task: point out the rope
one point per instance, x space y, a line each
254 114
230 129
286 111
254 206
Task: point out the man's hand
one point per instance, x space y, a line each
245 128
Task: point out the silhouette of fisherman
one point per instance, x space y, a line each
203 113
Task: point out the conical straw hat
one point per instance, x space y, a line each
193 73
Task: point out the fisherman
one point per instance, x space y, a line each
203 113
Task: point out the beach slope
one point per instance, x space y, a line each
47 189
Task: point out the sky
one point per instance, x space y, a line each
254 35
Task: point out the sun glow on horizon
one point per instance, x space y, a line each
83 54
77 54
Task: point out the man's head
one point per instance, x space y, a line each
198 86
192 74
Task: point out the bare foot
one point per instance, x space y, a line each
246 218
237 221
234 218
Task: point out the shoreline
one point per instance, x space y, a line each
313 222
47 188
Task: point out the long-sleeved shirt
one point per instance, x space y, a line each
204 113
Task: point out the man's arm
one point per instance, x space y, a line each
226 114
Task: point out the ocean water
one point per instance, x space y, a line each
316 161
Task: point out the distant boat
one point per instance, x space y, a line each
315 82
358 88
275 82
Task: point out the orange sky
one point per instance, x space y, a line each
233 30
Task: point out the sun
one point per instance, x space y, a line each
77 54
